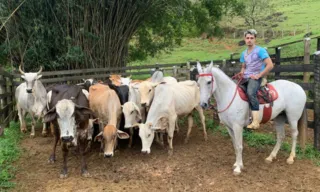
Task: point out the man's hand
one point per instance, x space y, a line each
258 76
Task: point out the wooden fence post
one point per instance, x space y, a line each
316 100
278 57
318 43
188 70
3 101
175 72
10 99
306 59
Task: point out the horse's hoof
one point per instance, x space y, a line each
290 161
268 160
63 176
236 173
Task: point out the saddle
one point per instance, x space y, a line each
266 94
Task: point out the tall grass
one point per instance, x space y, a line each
9 152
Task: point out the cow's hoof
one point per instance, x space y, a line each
31 135
51 159
290 161
63 175
23 130
44 134
86 174
170 152
268 160
205 138
186 141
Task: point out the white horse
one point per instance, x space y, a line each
291 100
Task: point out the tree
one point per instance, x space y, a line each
68 34
255 11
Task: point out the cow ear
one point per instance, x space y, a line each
155 84
138 110
99 137
122 135
80 111
39 76
23 77
50 115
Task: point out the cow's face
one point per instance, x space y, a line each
126 80
131 113
146 134
109 138
66 112
30 78
146 90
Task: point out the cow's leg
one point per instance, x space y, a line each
33 124
52 157
190 124
84 169
279 126
130 139
177 126
64 170
44 130
237 130
202 118
170 131
21 114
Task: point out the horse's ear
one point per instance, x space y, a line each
209 68
199 67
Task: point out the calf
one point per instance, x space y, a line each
171 100
69 112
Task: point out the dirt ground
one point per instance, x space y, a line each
196 166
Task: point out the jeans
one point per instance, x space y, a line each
253 86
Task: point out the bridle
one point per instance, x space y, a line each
238 76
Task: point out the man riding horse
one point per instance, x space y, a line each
256 64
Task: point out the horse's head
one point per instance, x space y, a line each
206 83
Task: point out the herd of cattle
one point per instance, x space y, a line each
115 106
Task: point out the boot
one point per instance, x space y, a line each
255 122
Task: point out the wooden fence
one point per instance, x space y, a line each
292 69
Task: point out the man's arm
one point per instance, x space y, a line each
268 68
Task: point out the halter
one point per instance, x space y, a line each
237 76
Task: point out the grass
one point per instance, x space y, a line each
258 140
9 152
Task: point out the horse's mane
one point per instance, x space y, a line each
218 73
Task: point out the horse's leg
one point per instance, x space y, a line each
202 118
231 133
237 130
294 134
279 126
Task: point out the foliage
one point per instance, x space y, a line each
9 152
68 34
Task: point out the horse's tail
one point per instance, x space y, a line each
302 128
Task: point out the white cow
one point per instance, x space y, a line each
170 101
31 97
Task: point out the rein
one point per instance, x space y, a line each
237 76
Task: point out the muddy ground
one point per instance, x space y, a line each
196 166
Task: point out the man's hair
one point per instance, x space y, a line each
251 32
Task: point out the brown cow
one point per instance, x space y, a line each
106 104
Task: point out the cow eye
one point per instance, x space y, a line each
132 112
209 83
148 135
149 90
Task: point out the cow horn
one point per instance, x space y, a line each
40 70
21 70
